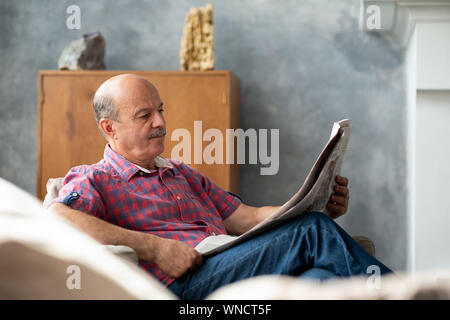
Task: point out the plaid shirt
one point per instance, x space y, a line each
175 201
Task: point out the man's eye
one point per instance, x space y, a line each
145 116
161 110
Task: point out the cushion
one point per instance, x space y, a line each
53 187
45 257
427 285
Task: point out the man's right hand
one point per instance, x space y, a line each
173 257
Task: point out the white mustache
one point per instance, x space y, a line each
159 133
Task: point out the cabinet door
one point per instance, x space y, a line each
68 132
203 102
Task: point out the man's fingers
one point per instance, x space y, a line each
343 181
337 199
343 191
198 260
338 203
335 210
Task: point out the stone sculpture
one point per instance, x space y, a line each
84 53
197 44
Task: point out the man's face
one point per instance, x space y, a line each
140 129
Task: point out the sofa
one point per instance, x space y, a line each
43 256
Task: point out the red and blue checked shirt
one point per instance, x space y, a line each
174 201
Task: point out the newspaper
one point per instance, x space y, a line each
313 195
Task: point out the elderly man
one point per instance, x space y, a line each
163 208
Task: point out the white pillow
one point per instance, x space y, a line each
400 286
41 254
53 187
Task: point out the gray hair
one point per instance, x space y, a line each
104 107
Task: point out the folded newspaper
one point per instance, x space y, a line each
313 195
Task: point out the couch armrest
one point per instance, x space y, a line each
130 255
123 252
366 243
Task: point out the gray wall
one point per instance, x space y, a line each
302 65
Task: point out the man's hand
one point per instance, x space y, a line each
173 257
338 203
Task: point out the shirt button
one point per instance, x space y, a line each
74 194
213 233
178 197
141 173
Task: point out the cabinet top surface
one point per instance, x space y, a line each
139 72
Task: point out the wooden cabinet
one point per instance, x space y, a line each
68 134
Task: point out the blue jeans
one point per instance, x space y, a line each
311 246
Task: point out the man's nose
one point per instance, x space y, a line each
158 120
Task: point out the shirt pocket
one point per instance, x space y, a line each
204 211
179 184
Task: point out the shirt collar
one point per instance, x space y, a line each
127 169
160 162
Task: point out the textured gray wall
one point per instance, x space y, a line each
302 65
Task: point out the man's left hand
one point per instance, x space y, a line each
338 203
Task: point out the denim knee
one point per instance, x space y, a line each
317 217
315 220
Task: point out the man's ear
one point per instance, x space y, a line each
108 129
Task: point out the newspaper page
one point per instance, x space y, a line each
313 195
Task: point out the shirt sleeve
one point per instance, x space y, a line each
79 192
225 202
